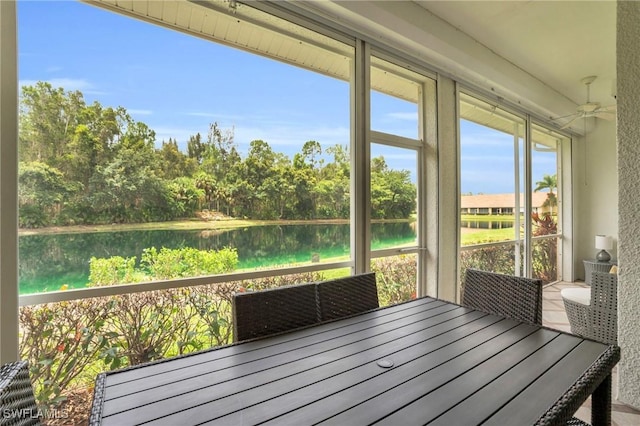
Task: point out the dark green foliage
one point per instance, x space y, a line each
495 258
89 164
60 340
545 251
396 278
501 257
68 343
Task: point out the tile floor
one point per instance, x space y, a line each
554 316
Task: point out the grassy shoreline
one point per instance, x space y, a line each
196 224
186 224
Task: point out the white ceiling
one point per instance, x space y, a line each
533 53
557 42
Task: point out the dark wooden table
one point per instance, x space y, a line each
425 361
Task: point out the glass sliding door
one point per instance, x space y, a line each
492 202
396 181
509 200
546 203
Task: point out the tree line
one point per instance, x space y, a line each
85 163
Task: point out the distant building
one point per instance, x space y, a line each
498 204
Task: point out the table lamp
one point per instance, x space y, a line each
603 243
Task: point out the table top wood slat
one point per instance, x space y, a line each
133 393
346 372
558 378
390 399
231 382
261 348
451 365
481 405
437 401
409 363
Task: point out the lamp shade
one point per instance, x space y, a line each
604 242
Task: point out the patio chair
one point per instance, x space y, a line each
17 402
264 312
347 296
505 295
593 311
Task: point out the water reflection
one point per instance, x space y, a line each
49 261
483 224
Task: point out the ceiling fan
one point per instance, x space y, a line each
589 109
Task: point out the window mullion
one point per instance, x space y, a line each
360 160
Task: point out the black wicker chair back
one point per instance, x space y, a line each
505 295
17 402
265 312
346 296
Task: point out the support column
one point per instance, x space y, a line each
360 161
8 183
628 97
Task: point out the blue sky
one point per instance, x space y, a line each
179 84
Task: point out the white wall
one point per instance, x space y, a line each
628 64
595 190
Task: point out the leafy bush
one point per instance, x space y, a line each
147 326
187 262
68 343
32 216
60 340
396 278
545 251
112 270
499 258
152 325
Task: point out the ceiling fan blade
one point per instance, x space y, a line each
565 116
570 122
606 115
610 108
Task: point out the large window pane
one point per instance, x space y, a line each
545 203
393 197
396 278
494 193
491 173
395 97
169 144
396 124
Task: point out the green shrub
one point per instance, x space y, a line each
187 262
396 278
68 343
60 340
112 270
32 216
147 326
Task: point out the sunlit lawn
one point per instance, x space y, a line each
479 236
487 236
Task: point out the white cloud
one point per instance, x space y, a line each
179 134
408 116
487 140
202 114
291 136
139 111
68 84
217 116
27 83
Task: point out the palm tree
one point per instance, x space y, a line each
549 182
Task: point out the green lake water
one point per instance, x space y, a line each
50 261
